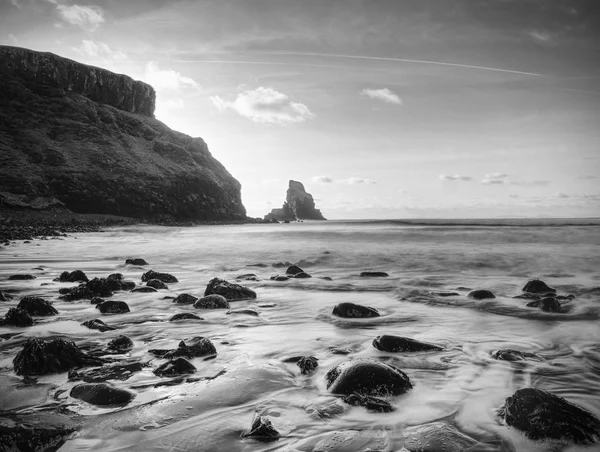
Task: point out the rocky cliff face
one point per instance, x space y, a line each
298 205
85 138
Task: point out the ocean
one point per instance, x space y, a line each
463 385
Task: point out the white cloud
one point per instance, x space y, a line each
87 17
322 180
532 183
382 94
541 36
456 177
357 180
99 50
167 79
265 105
494 179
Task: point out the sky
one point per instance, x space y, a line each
382 108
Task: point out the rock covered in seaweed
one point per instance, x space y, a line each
157 284
230 291
185 298
367 377
17 317
164 277
74 276
351 310
113 307
120 344
195 347
212 301
37 306
542 415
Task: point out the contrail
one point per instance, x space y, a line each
270 63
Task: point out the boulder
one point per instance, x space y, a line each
367 377
373 274
230 291
97 324
212 301
104 287
184 316
164 277
113 307
20 277
40 357
157 284
195 347
550 305
74 276
293 270
120 344
101 394
17 317
178 366
390 343
515 355
37 306
541 415
185 298
80 292
351 310
537 286
481 294
136 261
262 429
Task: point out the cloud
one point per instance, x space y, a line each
99 50
532 183
382 94
494 179
562 195
86 17
265 105
167 79
357 180
541 36
455 177
322 180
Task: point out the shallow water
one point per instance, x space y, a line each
461 385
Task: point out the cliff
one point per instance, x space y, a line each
298 205
83 138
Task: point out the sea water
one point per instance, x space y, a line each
462 385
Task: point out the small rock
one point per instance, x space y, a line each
113 307
389 343
184 316
144 289
17 317
74 276
281 264
246 311
164 277
80 292
351 310
97 300
293 270
101 394
307 364
302 275
514 355
367 377
279 278
262 429
20 277
370 403
37 306
194 348
120 344
537 286
444 294
550 305
229 290
97 324
178 366
185 298
326 278
373 274
157 284
481 294
247 277
212 301
136 261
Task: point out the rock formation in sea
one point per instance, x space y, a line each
84 139
298 205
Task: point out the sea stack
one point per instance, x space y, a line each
298 205
84 139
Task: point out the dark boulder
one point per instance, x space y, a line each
97 324
136 261
80 292
157 284
262 429
481 294
20 277
97 300
279 278
195 347
307 364
367 377
144 289
243 311
113 307
17 317
115 276
542 415
373 274
121 371
302 275
293 270
550 305
104 287
178 366
164 277
37 306
351 310
40 357
537 286
389 343
370 403
101 394
74 276
515 355
212 301
326 278
229 290
184 316
38 431
185 298
120 344
444 294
